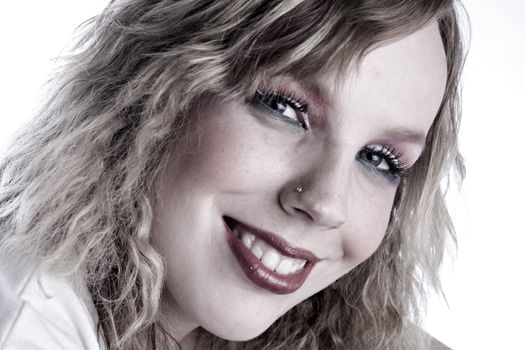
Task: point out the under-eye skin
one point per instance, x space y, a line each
384 161
282 106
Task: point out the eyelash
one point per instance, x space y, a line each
266 97
398 169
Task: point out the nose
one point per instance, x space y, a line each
320 193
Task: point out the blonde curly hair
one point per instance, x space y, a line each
78 187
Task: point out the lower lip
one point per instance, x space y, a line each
262 276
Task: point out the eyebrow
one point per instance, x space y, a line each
406 135
400 134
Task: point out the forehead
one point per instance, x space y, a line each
401 82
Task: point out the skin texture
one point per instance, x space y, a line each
244 161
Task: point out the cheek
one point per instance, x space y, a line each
368 226
226 151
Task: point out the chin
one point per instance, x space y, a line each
239 327
237 336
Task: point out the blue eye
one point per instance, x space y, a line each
385 160
285 107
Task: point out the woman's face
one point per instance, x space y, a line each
302 176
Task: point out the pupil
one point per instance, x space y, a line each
373 158
275 103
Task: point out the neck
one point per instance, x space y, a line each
179 326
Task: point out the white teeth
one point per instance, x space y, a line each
247 239
257 250
297 265
294 267
284 266
271 259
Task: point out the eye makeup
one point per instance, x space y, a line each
284 102
283 105
385 160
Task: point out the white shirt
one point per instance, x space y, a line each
39 311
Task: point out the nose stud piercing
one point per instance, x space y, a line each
299 189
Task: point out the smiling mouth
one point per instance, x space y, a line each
268 260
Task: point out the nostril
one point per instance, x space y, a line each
327 217
304 213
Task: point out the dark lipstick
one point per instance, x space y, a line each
256 271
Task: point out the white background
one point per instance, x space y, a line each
485 285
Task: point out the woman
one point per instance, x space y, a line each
236 175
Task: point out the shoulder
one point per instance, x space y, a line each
433 343
42 311
437 345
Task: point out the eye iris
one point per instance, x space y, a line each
275 102
281 107
373 158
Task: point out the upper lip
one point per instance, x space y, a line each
274 240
